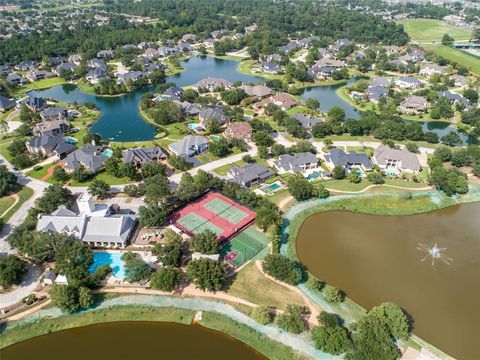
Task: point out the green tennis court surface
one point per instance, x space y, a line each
244 247
198 224
225 211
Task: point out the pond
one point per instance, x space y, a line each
387 258
120 120
132 340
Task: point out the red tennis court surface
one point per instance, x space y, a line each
214 212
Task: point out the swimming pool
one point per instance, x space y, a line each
193 126
71 140
272 187
392 172
215 137
313 176
108 153
113 259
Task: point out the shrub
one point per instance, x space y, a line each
262 315
332 294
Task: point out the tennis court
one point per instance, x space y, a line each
214 212
226 211
197 224
244 247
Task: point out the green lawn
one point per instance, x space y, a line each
24 194
5 203
38 85
109 179
469 61
429 30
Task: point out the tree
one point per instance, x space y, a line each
65 297
166 278
476 170
267 216
312 104
314 284
85 298
262 315
152 215
128 170
153 168
282 268
99 188
299 187
395 319
412 147
136 269
52 198
12 271
332 294
375 178
443 153
331 337
338 172
92 138
179 162
169 253
450 181
8 181
447 40
207 274
262 138
233 97
336 114
354 178
219 148
293 319
205 242
471 95
60 175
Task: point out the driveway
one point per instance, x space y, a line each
28 286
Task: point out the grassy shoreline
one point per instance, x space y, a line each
211 320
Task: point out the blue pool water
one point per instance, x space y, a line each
113 259
193 126
272 187
313 176
108 153
391 172
215 137
70 140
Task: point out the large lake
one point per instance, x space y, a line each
380 258
120 120
132 340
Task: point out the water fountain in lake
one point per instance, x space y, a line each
435 253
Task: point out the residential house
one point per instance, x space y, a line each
34 103
215 113
453 97
89 157
25 65
348 161
460 81
142 156
97 75
270 68
219 33
251 28
339 43
326 62
173 93
36 75
375 93
95 225
302 163
321 72
414 104
105 54
408 82
53 127
129 76
96 63
397 160
54 113
238 130
65 67
212 84
189 146
49 145
307 122
209 43
274 58
250 175
75 58
259 91
6 103
15 79
189 38
191 110
284 101
380 81
291 46
430 69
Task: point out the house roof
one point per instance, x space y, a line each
6 103
173 93
408 160
144 155
52 112
257 90
239 130
213 113
339 157
415 101
89 156
211 83
188 145
249 173
112 229
295 161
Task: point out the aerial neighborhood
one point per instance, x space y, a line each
181 150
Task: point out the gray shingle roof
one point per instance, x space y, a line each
250 173
408 160
339 157
143 155
189 145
